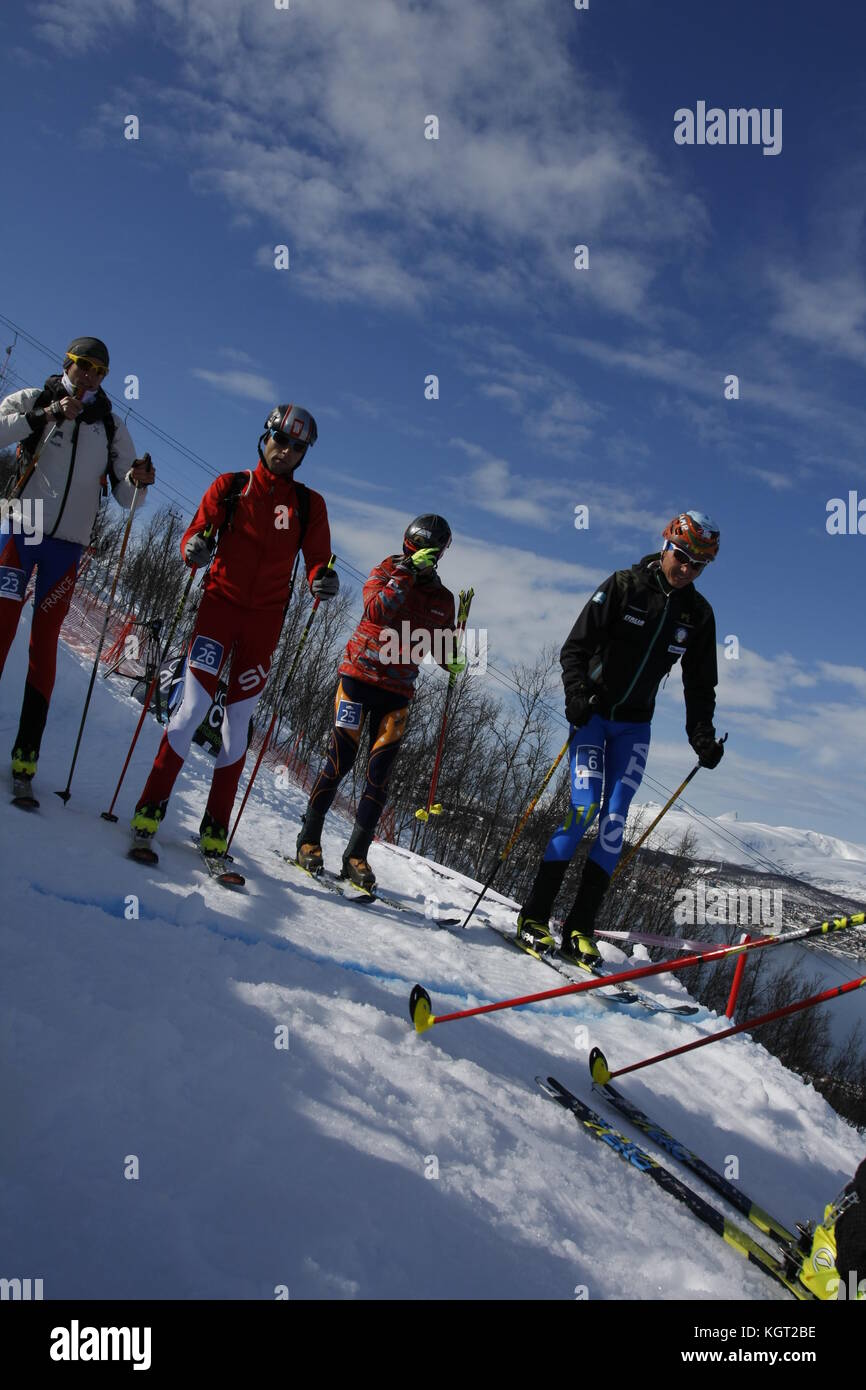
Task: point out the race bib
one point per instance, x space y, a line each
206 655
349 713
12 583
587 763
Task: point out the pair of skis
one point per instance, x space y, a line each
782 1267
352 892
619 994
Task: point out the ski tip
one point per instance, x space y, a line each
106 815
421 1009
598 1068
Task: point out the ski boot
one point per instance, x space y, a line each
535 934
818 1271
310 858
212 838
308 846
578 943
355 866
358 872
23 772
580 948
144 826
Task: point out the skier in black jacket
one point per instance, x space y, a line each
630 634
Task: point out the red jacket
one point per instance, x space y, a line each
253 563
392 597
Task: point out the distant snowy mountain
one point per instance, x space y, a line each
824 860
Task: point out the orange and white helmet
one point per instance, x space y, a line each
694 533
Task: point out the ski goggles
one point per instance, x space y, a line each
99 368
287 441
684 558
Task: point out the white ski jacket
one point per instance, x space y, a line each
74 461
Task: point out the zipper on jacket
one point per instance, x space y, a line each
75 428
646 658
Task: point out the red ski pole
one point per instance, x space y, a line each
602 1074
421 1011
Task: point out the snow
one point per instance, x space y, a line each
314 1167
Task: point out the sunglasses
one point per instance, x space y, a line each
683 558
99 368
287 441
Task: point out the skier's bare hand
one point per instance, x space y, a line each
70 407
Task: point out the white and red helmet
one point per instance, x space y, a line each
294 421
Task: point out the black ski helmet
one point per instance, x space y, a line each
94 348
427 530
293 420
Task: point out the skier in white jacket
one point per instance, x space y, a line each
71 447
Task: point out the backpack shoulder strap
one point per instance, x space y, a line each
110 430
238 484
303 495
27 447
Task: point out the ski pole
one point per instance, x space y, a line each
29 471
650 828
66 793
602 1074
432 808
420 1008
294 666
108 815
524 818
667 943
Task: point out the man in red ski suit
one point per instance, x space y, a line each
262 518
407 612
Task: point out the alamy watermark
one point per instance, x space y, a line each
716 907
739 125
416 644
20 1290
77 1343
22 516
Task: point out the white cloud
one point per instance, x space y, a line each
75 30
829 312
319 119
248 384
847 675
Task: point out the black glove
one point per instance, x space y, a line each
709 749
326 584
198 550
580 705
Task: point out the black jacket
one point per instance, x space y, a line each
630 635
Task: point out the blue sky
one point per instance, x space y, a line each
410 256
